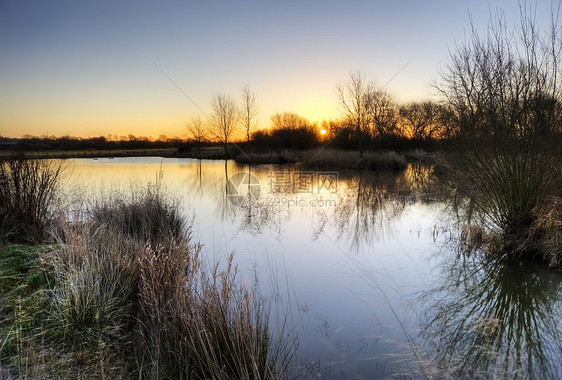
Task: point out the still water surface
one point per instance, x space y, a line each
368 263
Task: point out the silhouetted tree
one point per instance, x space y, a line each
248 111
288 130
356 98
288 120
369 110
223 119
384 115
422 122
197 130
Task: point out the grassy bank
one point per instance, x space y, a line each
316 158
94 153
123 293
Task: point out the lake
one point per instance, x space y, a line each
367 266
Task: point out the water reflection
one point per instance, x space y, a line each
495 320
358 209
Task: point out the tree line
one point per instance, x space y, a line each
371 119
69 143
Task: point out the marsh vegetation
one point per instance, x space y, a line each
122 291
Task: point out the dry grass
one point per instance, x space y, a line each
28 198
343 159
145 214
138 302
285 156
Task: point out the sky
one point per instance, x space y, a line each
98 68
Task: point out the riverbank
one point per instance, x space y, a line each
313 158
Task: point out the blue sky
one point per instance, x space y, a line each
88 68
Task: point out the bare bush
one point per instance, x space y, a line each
504 95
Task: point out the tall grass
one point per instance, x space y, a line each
29 198
329 159
130 296
97 277
146 214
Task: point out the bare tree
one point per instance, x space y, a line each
197 130
421 121
289 121
370 111
223 119
504 95
384 114
248 111
356 98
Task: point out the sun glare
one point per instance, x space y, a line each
322 132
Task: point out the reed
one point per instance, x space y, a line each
124 302
29 198
146 214
343 159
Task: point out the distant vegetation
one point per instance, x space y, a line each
68 144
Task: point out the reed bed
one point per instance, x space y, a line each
128 295
343 159
285 156
329 159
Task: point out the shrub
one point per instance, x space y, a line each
504 123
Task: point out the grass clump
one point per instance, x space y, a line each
29 191
146 215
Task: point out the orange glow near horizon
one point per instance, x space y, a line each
318 108
156 121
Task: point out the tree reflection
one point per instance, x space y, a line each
495 320
366 209
369 203
362 210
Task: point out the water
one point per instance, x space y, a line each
368 263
